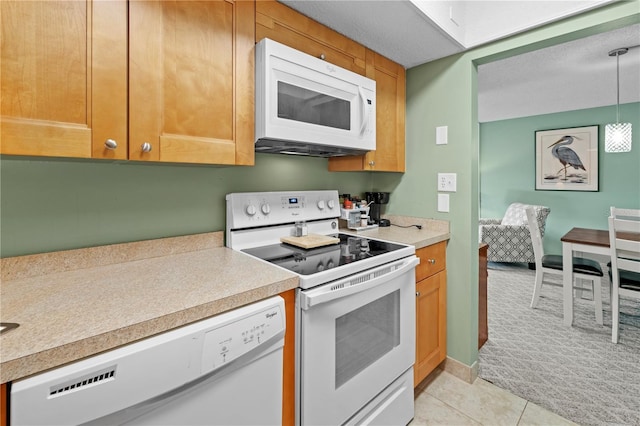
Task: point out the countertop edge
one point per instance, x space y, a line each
431 241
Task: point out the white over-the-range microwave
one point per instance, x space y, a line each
307 106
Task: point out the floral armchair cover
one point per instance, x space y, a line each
508 238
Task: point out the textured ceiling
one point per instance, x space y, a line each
566 77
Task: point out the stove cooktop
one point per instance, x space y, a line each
350 249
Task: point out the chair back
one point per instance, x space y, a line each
536 236
625 250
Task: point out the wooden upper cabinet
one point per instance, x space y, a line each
281 23
191 81
389 155
115 79
64 68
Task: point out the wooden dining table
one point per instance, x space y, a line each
584 240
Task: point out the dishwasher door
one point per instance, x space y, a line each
225 370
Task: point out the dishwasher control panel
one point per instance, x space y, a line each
224 344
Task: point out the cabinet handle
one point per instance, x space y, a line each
146 147
417 294
322 56
110 144
432 261
372 163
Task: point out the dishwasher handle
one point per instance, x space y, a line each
357 283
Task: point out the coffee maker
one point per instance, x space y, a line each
377 199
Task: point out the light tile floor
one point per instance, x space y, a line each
443 399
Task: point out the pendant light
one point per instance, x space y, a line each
617 137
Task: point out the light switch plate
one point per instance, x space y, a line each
442 135
447 182
443 203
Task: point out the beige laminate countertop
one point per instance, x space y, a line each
432 232
78 303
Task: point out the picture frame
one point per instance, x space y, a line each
567 159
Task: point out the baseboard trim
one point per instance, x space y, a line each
462 371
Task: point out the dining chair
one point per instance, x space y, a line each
625 261
583 268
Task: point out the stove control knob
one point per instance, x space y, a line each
331 204
266 208
321 204
251 210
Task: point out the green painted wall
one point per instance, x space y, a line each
507 170
57 205
49 205
443 93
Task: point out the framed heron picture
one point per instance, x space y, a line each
567 159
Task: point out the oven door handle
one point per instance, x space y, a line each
357 283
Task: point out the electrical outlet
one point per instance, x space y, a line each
447 182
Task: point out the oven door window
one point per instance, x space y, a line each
365 335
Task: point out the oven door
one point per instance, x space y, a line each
357 335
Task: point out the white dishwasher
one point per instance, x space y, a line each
225 370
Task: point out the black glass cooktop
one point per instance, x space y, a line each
310 261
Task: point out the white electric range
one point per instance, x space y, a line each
355 308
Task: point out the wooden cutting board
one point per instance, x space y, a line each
310 241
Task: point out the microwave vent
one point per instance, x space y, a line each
273 146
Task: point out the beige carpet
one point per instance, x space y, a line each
575 372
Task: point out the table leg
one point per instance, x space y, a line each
567 283
577 288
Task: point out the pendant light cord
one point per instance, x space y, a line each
617 53
618 86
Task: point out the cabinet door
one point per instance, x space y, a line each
64 68
431 325
389 155
191 81
287 26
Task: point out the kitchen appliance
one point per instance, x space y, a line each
209 372
378 199
307 106
355 307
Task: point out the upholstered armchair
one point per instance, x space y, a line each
508 238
